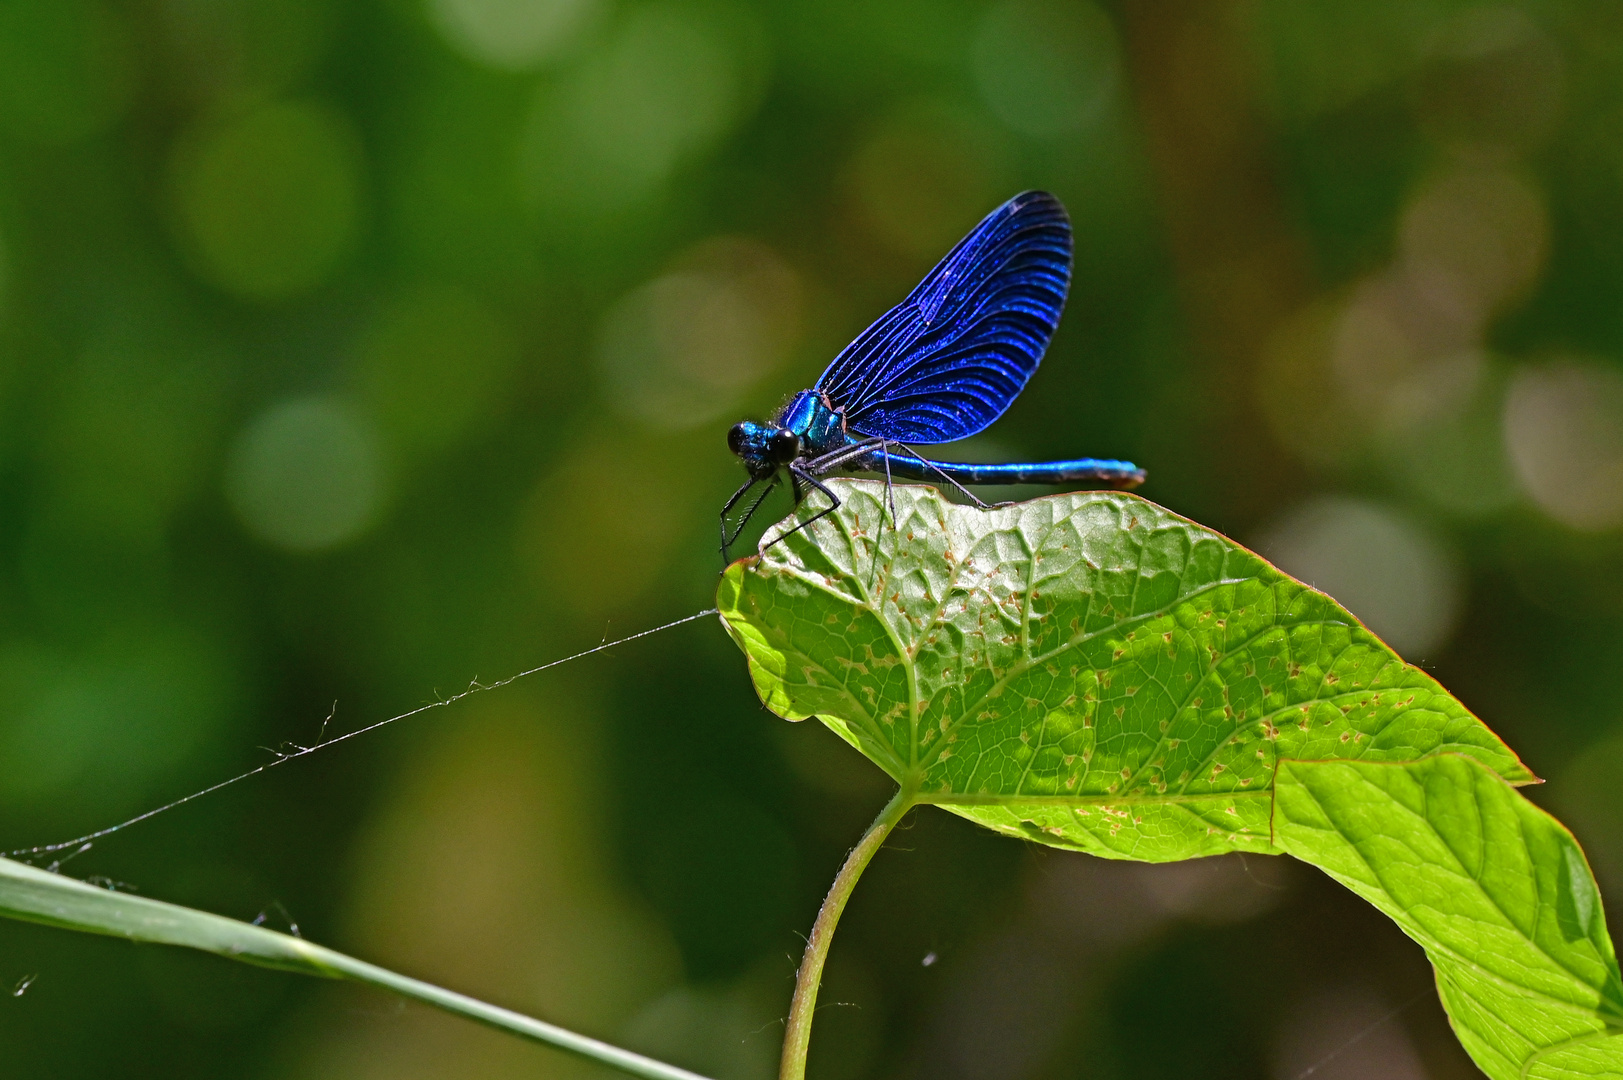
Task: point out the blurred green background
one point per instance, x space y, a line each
350 351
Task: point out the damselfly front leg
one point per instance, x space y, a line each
799 474
726 540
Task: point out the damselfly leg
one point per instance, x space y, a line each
801 475
727 539
890 494
933 467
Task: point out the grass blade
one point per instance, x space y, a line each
35 895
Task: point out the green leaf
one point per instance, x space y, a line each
1088 670
36 895
1093 672
1495 889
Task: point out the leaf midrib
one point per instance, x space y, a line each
1565 1044
1443 947
958 798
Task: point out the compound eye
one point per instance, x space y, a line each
785 445
735 438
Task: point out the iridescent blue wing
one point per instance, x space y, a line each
948 360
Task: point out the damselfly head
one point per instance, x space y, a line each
764 448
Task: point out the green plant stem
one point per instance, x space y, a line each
797 1035
36 895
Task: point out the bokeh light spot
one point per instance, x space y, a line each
1472 239
1493 77
1445 438
1046 68
679 351
667 86
432 362
1564 429
270 200
627 522
1325 56
1384 568
668 83
511 35
306 475
235 50
66 68
1383 336
1298 387
1398 360
925 175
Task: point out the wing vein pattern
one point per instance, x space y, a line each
947 361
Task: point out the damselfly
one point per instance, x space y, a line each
941 365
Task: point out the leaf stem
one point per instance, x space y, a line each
797 1035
